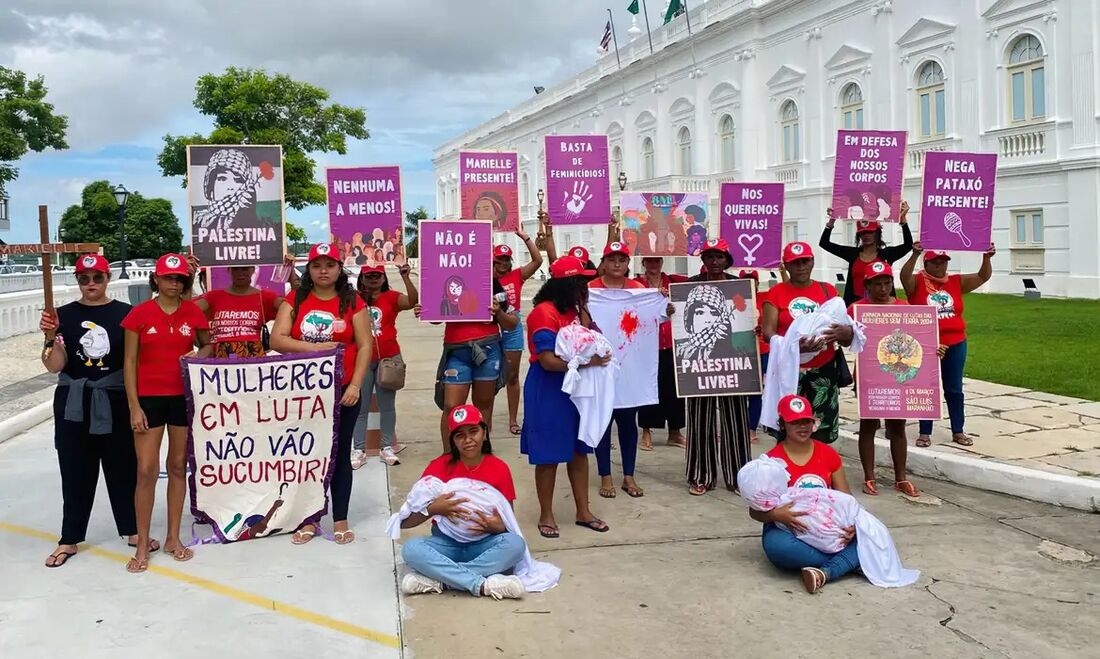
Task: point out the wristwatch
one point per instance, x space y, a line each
48 343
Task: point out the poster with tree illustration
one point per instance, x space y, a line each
898 372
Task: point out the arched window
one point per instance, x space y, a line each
931 101
525 189
647 158
1027 79
683 141
851 107
616 163
790 132
725 143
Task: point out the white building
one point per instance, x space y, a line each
758 93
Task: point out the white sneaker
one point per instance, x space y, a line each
389 457
499 586
415 583
358 458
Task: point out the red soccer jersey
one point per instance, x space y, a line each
492 471
383 319
948 301
319 321
162 339
817 472
545 316
792 302
512 283
239 317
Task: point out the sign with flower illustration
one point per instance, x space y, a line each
898 372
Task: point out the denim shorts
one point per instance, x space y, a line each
460 367
513 340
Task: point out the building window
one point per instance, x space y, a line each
725 143
790 232
683 141
647 158
616 163
1027 80
851 107
525 189
1027 228
931 101
790 129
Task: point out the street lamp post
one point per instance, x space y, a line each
122 195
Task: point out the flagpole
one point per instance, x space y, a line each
645 12
687 15
615 38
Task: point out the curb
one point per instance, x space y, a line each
1032 484
25 420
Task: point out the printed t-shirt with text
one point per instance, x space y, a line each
792 302
319 321
948 301
818 470
512 283
239 317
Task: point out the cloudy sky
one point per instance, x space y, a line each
123 71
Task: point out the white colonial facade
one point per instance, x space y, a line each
760 90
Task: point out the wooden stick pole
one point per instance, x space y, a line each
47 267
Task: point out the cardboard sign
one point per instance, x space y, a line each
957 201
714 338
751 221
456 270
364 214
489 187
235 198
664 223
261 441
578 186
898 372
869 174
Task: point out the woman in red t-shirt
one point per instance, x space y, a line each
383 305
158 333
238 314
669 407
810 464
325 314
945 292
869 247
511 280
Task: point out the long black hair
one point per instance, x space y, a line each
565 293
486 446
343 287
880 244
188 282
361 286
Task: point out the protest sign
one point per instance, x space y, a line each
456 270
898 372
664 223
235 196
751 221
714 338
867 181
957 201
264 276
364 214
489 187
578 186
261 442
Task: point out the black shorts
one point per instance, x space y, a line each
164 410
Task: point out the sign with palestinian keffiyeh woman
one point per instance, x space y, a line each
714 338
235 195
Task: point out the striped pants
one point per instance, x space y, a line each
718 438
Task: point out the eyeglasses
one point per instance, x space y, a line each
84 280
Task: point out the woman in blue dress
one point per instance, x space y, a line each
551 425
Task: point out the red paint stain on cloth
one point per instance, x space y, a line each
628 323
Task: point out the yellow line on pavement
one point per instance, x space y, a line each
268 604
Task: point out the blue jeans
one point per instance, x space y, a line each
787 552
626 420
387 410
757 402
461 369
463 566
951 370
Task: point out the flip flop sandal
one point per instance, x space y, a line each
134 566
597 525
634 493
676 444
813 579
645 447
869 487
301 537
697 490
154 546
548 531
607 492
181 554
515 428
60 558
907 488
963 441
343 537
924 443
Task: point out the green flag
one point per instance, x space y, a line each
675 8
633 8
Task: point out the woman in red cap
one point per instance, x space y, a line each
936 287
511 280
670 407
878 281
239 314
819 377
870 247
383 304
158 333
83 346
810 463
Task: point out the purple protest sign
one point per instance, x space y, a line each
264 276
898 372
957 201
489 187
578 186
870 168
751 221
456 277
364 214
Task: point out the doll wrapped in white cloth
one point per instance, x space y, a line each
763 484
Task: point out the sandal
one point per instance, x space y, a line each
633 492
813 579
907 488
697 490
515 428
153 545
302 536
181 554
962 440
595 524
924 442
59 558
869 487
134 566
680 444
549 531
343 537
607 492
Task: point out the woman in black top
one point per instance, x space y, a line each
91 417
869 248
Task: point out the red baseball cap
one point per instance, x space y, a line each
502 250
463 415
172 264
877 269
749 274
932 256
367 269
569 266
616 248
793 407
867 226
92 262
716 245
796 251
579 252
326 250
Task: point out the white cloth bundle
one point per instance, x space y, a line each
763 483
536 576
592 390
785 358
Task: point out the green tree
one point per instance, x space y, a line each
248 106
412 231
295 233
151 226
27 121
